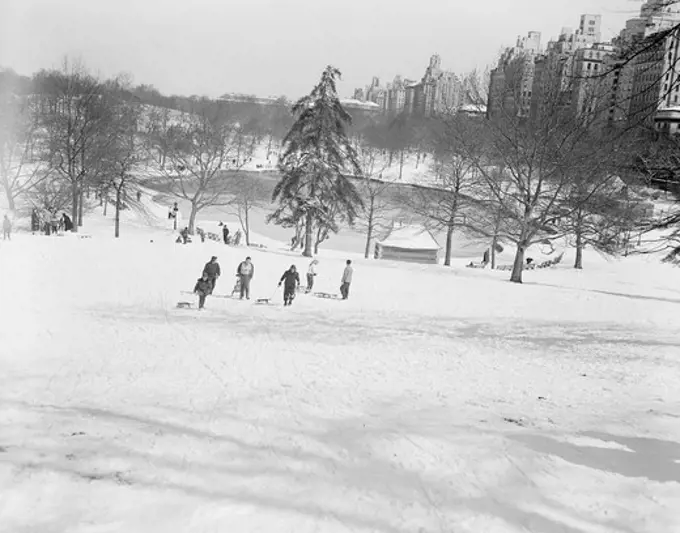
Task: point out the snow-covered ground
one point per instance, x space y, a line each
434 400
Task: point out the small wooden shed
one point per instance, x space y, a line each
411 244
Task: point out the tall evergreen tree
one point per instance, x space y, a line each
317 161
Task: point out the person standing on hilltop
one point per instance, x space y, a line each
245 272
212 271
346 280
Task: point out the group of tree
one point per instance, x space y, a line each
514 178
66 135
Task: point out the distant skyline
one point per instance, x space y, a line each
272 47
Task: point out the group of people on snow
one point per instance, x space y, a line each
235 240
245 272
50 222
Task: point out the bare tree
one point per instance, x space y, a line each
51 194
22 165
126 159
206 148
443 203
658 161
373 187
74 116
158 124
488 218
247 193
538 171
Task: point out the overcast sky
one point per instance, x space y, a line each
278 47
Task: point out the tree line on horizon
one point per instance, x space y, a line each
65 135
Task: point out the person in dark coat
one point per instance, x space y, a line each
203 288
35 220
245 273
291 281
68 224
225 234
212 270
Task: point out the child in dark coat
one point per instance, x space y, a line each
203 288
290 280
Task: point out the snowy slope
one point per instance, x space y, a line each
434 400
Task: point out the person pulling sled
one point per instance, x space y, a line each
290 281
212 271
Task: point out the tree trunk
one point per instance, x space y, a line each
117 223
269 146
11 205
192 218
579 251
369 232
494 243
246 219
401 164
74 206
309 228
106 203
518 266
449 244
80 207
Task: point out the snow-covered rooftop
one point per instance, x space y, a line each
410 237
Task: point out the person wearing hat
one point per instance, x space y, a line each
212 271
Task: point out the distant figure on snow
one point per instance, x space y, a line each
174 216
311 274
66 220
203 288
346 280
212 271
291 281
245 272
225 234
185 235
237 237
35 221
6 228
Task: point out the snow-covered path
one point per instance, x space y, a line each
432 400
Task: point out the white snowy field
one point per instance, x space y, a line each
434 400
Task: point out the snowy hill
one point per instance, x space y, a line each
433 399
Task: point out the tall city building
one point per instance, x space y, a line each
655 86
511 82
656 79
590 26
438 91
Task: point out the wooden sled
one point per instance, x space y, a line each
184 305
210 295
327 295
263 301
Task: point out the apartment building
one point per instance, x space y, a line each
438 91
511 82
